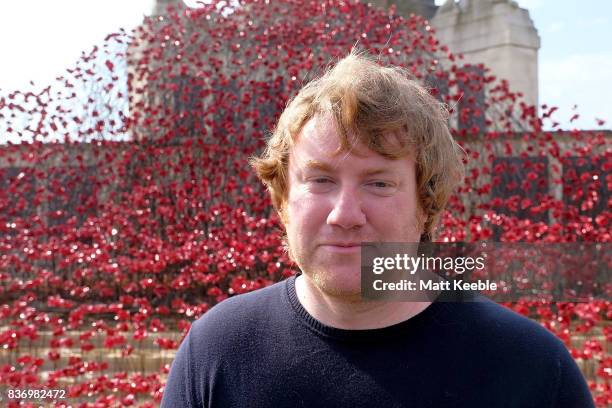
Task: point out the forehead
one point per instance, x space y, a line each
319 141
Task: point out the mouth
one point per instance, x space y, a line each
343 247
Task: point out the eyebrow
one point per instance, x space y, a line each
317 165
322 166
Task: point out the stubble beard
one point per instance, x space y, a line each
322 276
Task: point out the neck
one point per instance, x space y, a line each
351 314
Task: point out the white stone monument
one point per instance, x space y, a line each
497 33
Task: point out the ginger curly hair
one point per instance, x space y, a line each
372 101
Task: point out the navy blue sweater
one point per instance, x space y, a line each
263 349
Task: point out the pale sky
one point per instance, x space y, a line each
39 39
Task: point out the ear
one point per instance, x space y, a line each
287 247
421 219
282 214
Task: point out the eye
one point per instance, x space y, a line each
320 180
320 184
382 187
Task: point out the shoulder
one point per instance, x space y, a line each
484 313
238 315
494 332
524 348
214 341
499 325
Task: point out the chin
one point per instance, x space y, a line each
340 282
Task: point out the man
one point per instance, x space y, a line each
363 154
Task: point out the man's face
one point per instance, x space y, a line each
336 202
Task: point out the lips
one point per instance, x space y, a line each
342 247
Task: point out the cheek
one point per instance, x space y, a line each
394 216
305 210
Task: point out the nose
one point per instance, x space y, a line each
347 210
